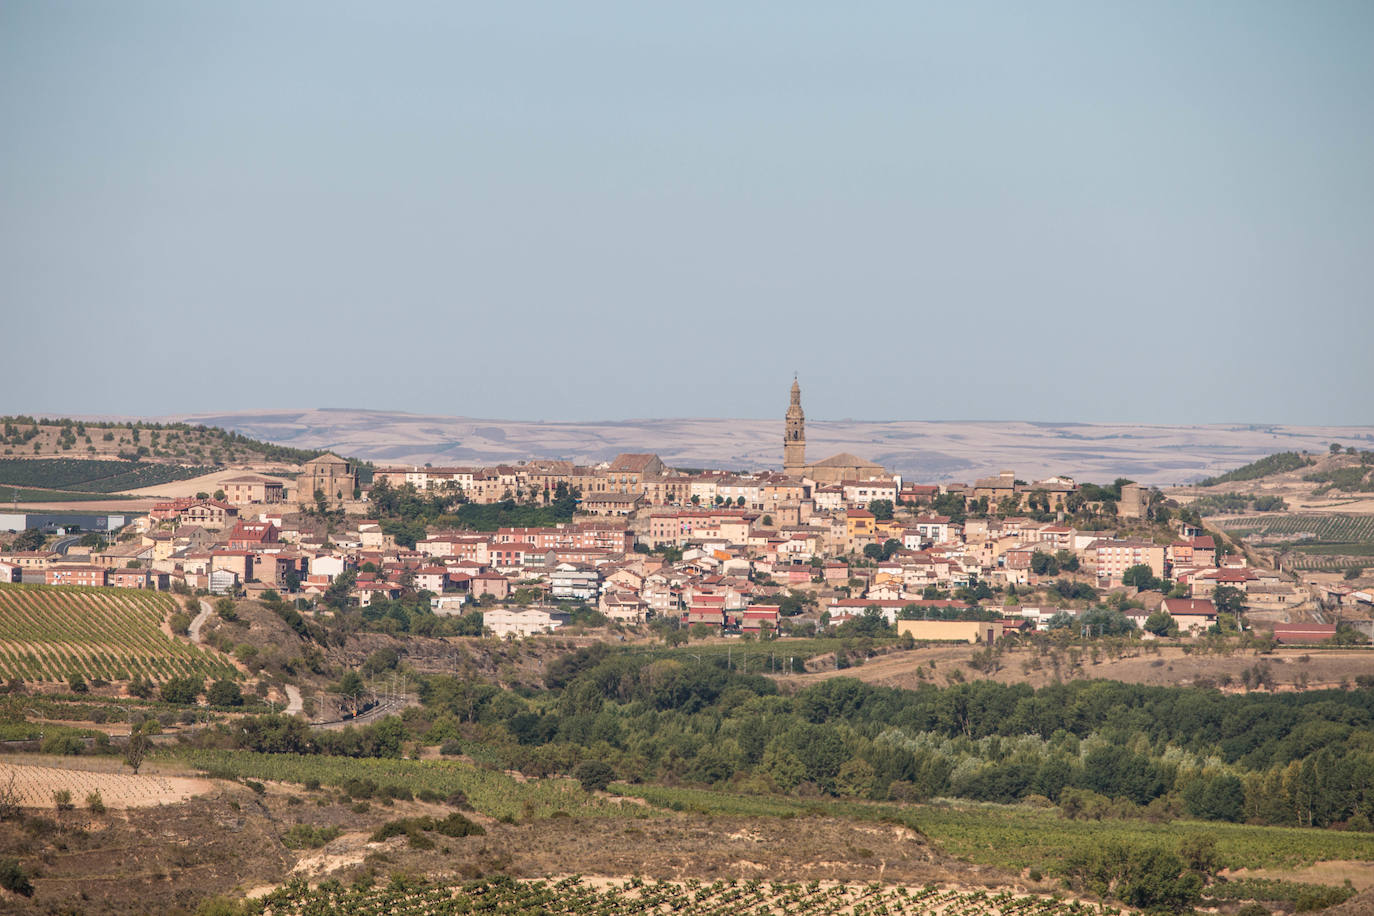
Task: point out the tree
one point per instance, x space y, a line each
595 775
1216 797
136 749
183 691
881 509
224 692
1161 623
1141 576
351 686
32 539
1229 600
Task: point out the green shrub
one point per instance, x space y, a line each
455 825
304 836
14 878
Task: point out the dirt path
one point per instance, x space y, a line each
294 704
206 609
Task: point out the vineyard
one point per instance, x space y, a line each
492 793
30 495
1340 528
33 786
49 633
691 898
92 476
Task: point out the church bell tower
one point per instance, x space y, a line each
794 436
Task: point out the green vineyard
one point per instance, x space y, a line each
48 633
692 898
1342 528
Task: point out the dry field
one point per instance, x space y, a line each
1171 667
33 786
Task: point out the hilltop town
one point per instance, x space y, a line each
346 661
541 545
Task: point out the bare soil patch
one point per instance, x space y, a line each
34 786
1323 668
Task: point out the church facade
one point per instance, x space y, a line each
833 470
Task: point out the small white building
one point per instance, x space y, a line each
223 582
448 605
503 622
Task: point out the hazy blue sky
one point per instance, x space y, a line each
1154 212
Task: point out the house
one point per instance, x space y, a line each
11 572
121 555
239 562
1304 633
251 488
30 559
969 631
1191 614
430 578
252 535
611 503
1112 557
569 582
489 583
134 578
759 619
863 492
208 513
447 605
995 489
1195 551
623 607
504 622
86 576
626 474
223 582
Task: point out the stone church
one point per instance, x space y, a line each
831 471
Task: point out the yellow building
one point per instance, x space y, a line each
969 631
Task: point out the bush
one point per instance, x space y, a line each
455 825
303 836
76 683
224 692
595 775
66 745
451 748
14 878
94 803
183 690
62 799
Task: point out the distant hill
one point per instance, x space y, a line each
919 450
1278 463
198 445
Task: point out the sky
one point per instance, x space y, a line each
1102 212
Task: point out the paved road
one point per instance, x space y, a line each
63 544
206 609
